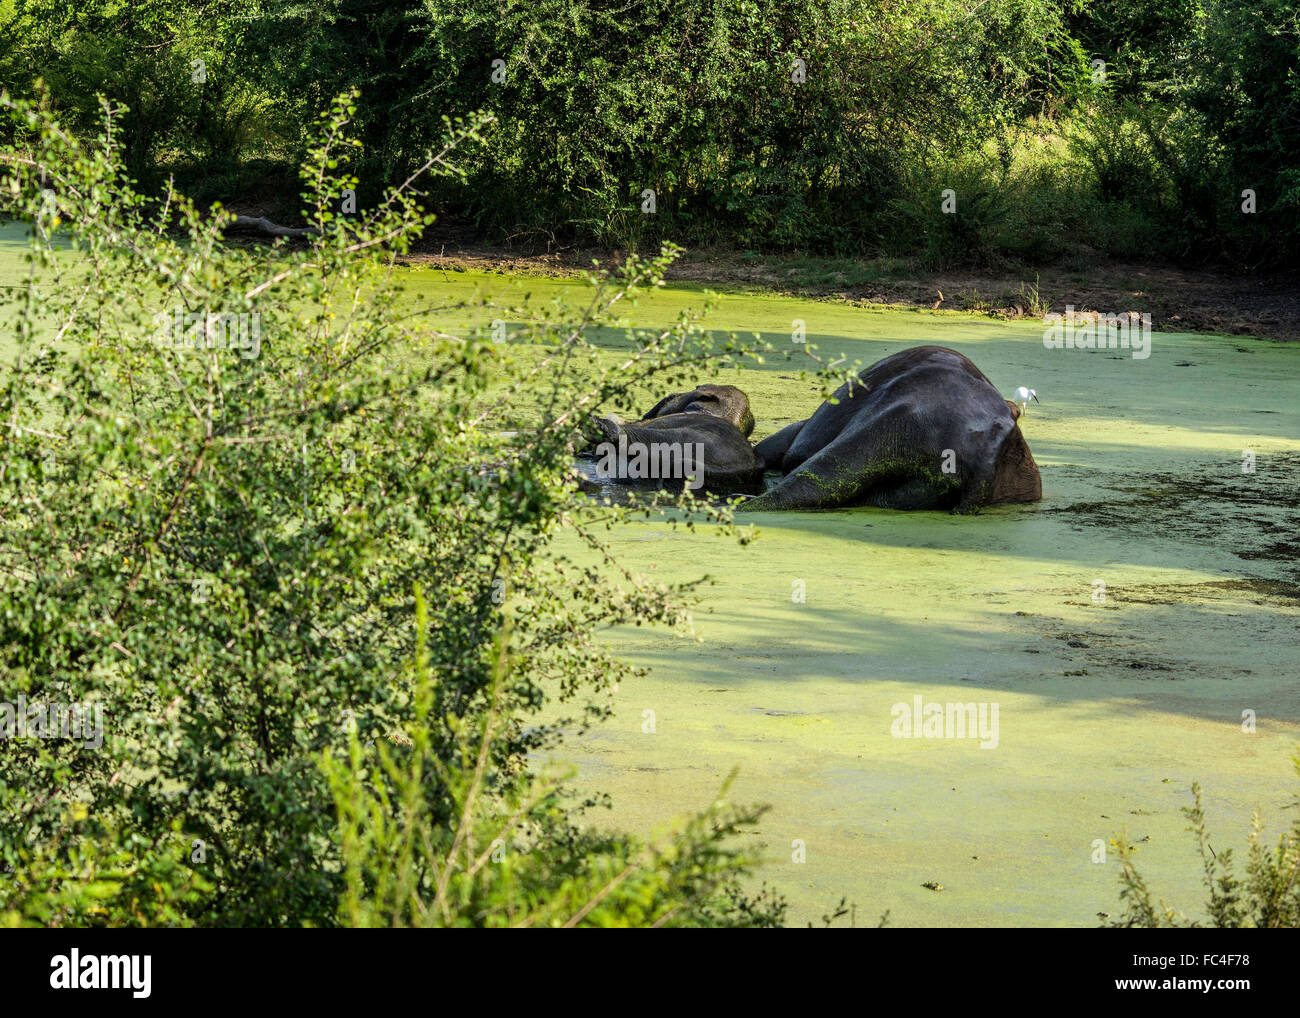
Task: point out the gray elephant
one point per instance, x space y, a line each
725 401
695 439
921 429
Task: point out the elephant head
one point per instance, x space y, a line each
725 401
699 436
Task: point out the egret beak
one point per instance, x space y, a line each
1035 395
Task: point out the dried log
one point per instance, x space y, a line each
262 225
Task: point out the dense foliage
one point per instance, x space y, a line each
1125 127
213 530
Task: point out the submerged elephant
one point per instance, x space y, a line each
921 429
695 439
725 401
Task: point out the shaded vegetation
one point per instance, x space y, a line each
1125 128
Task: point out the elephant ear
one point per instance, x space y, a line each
660 405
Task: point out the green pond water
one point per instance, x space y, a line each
1107 710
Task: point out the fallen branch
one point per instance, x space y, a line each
269 228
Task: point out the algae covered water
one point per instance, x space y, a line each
1132 633
950 716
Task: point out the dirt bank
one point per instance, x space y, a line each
1178 299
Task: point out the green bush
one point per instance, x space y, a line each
700 101
216 545
1268 896
180 116
1175 109
511 856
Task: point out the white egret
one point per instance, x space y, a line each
1024 395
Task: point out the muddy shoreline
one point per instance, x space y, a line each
1178 299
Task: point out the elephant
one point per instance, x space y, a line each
920 429
697 439
725 401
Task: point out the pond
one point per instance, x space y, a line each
1116 633
1120 628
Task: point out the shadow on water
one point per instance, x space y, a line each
1129 649
1255 517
